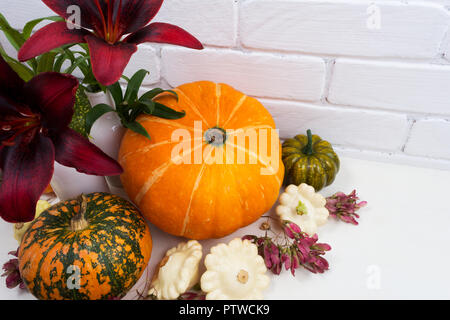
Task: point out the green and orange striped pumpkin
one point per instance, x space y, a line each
90 248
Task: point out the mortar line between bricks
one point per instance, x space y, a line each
416 115
429 60
408 133
371 152
404 157
444 41
432 61
328 78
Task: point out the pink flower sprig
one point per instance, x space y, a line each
299 250
195 293
190 295
344 207
12 274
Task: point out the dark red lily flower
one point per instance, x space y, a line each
104 23
34 119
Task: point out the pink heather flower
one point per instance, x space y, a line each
249 237
272 257
286 259
300 250
344 207
192 296
292 230
12 274
288 231
295 228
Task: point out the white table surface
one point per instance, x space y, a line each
398 251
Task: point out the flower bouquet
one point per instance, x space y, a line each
200 161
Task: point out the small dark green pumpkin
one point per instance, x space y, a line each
311 160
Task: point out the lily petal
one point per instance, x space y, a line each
10 82
50 37
73 150
53 94
134 14
164 33
109 60
8 106
27 171
90 16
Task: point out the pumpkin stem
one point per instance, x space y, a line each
79 222
308 150
216 136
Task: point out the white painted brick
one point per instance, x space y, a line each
19 12
430 138
445 47
145 58
341 27
443 2
346 127
398 86
393 158
257 74
213 22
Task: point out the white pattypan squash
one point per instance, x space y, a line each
178 271
21 228
234 272
303 206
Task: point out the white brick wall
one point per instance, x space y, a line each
430 137
350 127
405 87
337 27
298 78
212 21
372 77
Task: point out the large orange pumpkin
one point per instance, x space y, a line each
196 177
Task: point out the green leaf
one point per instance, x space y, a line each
14 37
23 71
134 111
125 78
77 63
95 113
154 92
134 84
148 106
85 47
164 112
138 128
116 92
28 28
45 62
59 61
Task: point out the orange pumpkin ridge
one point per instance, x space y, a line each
210 188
